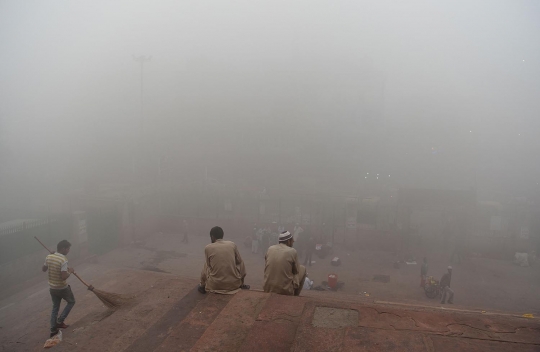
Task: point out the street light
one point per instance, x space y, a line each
142 60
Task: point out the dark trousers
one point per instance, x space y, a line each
57 297
447 291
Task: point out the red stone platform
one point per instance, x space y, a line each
170 315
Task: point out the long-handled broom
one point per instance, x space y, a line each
110 300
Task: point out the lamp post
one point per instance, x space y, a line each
142 60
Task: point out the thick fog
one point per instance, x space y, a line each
310 95
175 148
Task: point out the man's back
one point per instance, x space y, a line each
224 266
280 267
56 263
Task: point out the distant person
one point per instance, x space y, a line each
457 254
423 273
254 242
309 248
265 240
445 286
224 269
273 238
299 239
283 274
57 264
185 229
297 231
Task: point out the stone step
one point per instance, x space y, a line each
169 314
328 325
155 335
276 325
162 300
185 334
231 327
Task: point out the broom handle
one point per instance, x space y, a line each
44 246
78 277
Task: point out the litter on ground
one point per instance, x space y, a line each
53 341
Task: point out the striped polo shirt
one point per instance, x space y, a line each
56 263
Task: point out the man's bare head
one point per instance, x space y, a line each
63 247
216 233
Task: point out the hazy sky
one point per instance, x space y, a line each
440 75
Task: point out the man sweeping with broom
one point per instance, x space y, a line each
57 264
59 272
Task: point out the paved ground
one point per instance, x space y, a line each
479 284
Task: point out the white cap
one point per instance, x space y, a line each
449 267
284 236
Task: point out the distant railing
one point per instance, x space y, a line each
18 240
25 225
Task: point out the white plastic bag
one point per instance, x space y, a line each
53 341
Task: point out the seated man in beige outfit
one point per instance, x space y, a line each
283 274
224 269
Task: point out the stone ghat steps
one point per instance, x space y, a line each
246 321
161 301
270 325
171 315
258 321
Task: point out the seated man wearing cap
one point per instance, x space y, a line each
283 274
224 269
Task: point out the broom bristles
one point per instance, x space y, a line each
112 300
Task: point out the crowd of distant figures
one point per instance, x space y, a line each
261 239
264 237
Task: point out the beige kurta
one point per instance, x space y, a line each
224 269
282 272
